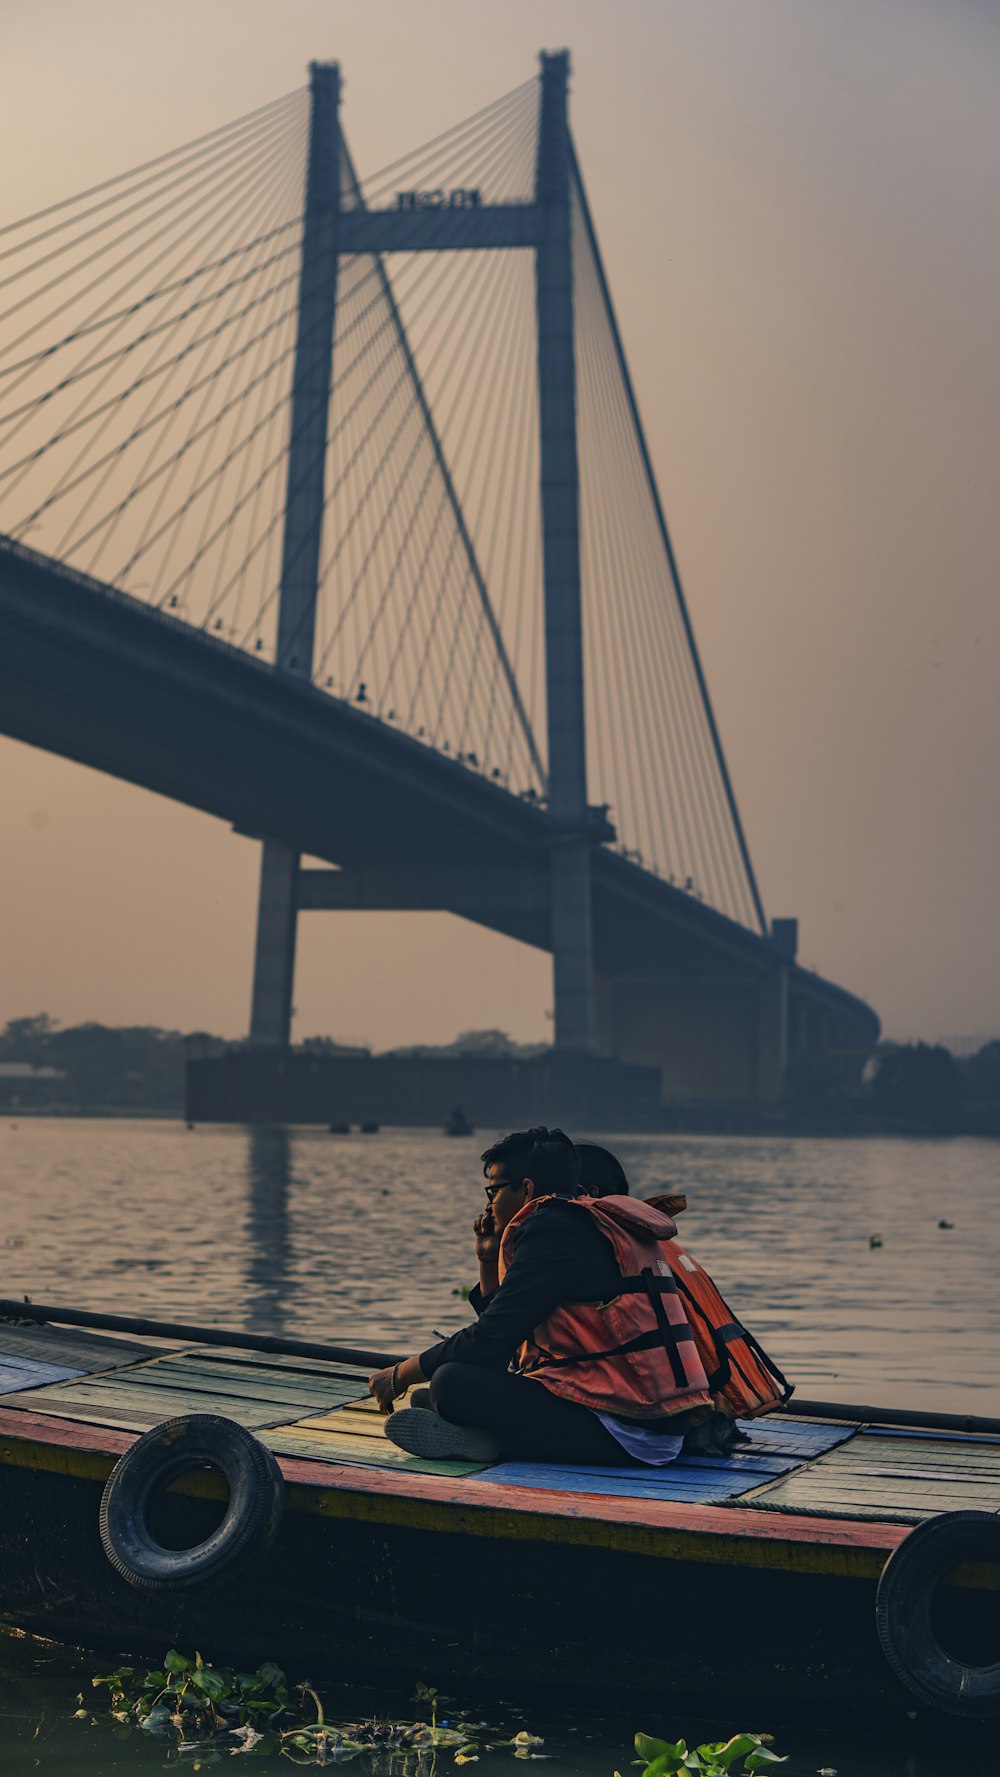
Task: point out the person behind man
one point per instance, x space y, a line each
587 1310
744 1381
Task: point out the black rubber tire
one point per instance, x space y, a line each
903 1607
249 1527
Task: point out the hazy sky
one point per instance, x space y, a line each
798 206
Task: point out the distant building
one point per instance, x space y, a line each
962 1046
23 1087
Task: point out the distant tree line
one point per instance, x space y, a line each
91 1067
140 1068
925 1086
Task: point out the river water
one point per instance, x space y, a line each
367 1239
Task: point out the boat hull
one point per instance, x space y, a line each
403 1585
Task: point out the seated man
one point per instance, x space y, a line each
606 1370
744 1381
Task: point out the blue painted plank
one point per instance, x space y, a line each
17 1373
692 1482
777 1448
760 1462
794 1437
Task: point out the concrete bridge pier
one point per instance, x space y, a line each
714 1040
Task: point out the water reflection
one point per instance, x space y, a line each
268 1238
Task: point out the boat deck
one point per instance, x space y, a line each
318 1418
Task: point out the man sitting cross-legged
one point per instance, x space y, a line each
587 1311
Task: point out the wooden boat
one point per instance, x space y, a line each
750 1578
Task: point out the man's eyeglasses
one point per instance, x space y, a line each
491 1190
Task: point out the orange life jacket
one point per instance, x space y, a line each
744 1381
633 1356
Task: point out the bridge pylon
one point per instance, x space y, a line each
546 227
277 914
570 887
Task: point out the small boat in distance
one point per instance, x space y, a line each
458 1123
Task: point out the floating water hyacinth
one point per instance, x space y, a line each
209 1711
715 1758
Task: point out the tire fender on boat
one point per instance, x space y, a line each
192 1441
904 1612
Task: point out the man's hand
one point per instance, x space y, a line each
487 1239
388 1385
487 1252
381 1386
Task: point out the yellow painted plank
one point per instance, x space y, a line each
346 1422
357 1452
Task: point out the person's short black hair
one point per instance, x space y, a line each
601 1172
545 1155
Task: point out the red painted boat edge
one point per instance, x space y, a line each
475 1494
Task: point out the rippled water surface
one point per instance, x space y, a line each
367 1239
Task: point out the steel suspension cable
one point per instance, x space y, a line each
275 317
378 182
249 198
444 471
170 154
73 471
234 162
668 546
184 180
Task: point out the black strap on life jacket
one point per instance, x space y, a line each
787 1388
655 1286
722 1338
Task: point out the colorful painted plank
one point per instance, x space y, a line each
878 1475
85 1352
291 1395
355 1435
940 1437
307 1366
707 1482
135 1398
17 1373
803 1438
137 1409
352 1451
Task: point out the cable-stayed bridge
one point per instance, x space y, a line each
326 507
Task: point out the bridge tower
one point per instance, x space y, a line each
277 914
546 227
572 944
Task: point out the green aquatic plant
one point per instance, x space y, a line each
714 1758
212 1711
193 1700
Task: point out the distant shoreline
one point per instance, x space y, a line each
774 1125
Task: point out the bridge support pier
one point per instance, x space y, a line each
274 957
719 1041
